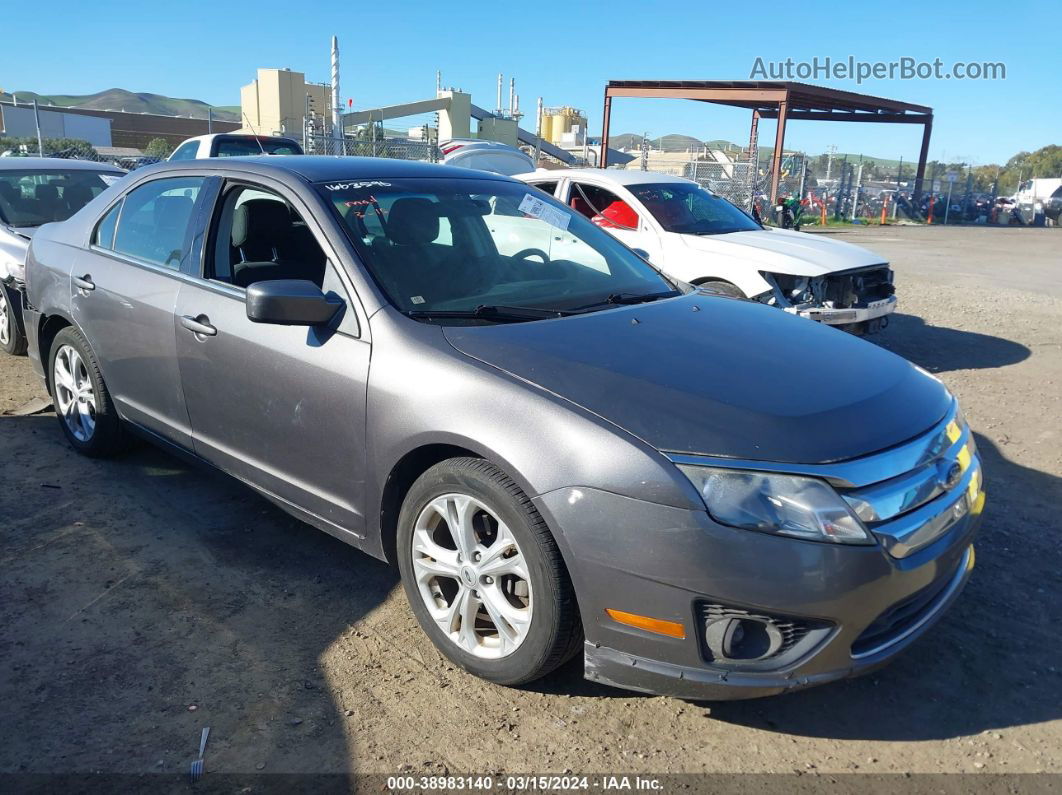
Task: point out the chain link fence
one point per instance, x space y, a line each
397 148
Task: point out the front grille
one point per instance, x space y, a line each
894 622
857 289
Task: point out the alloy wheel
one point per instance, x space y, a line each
6 319
472 576
74 396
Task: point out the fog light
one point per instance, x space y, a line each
742 638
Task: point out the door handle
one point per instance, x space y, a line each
84 282
197 326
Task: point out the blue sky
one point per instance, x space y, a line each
565 52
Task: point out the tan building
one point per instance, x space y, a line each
279 100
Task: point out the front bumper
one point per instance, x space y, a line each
619 669
836 317
864 604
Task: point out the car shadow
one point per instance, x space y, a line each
143 599
940 349
989 664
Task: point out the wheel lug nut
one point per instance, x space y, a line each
476 557
488 580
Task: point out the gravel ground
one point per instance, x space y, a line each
141 600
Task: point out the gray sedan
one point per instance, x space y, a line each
560 448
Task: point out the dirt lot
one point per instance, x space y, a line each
141 600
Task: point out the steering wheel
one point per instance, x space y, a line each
532 252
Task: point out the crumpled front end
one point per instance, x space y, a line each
858 300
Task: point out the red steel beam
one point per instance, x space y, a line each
779 144
602 160
923 155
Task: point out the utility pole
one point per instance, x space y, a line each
37 119
831 150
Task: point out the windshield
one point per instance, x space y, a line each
467 245
242 147
34 197
691 210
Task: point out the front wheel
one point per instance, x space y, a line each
12 338
483 574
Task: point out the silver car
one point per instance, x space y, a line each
35 191
560 448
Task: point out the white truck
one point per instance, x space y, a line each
1039 200
701 238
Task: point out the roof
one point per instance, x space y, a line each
615 175
322 168
54 163
765 95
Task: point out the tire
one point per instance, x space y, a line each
723 288
12 337
539 614
82 403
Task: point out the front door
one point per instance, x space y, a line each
616 215
282 407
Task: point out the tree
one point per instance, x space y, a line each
158 147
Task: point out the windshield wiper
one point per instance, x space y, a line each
500 313
617 299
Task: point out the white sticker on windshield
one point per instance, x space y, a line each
110 179
417 299
537 208
334 186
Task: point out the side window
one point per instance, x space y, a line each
546 187
155 219
603 207
260 237
186 151
104 236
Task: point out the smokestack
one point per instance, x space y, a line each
438 82
501 79
538 119
337 101
512 95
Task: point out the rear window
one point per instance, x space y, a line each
34 197
243 147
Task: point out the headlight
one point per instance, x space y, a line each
10 267
787 505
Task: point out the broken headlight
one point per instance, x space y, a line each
788 505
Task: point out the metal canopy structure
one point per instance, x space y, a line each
783 101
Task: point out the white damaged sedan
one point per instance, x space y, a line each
696 236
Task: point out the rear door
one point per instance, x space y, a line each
123 293
281 407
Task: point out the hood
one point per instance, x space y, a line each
786 251
730 378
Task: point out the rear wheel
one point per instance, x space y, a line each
484 576
12 338
82 402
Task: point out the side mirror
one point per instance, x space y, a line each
290 302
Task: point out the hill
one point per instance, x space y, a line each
134 102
